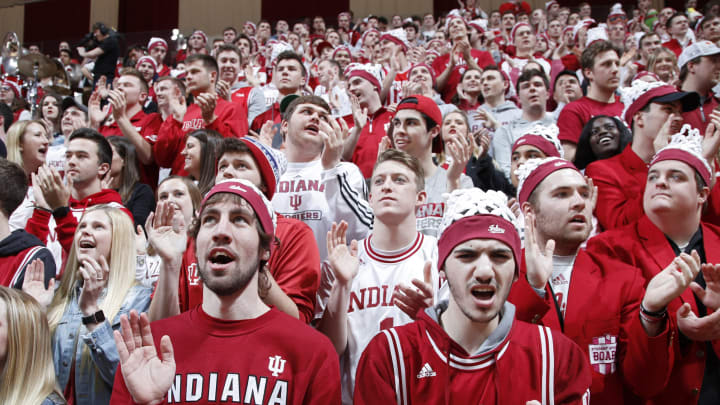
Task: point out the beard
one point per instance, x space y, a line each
236 279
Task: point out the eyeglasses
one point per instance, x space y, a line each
605 128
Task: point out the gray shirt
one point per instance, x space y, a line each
429 215
506 136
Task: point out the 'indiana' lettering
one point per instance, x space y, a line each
371 297
194 387
299 185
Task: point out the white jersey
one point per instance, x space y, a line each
320 197
371 306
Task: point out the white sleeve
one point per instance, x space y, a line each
346 195
256 104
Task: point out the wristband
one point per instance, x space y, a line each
649 319
61 212
650 314
95 318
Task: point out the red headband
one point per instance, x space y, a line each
539 174
250 195
685 157
539 142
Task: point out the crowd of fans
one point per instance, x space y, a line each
337 214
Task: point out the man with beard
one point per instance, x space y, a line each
596 301
233 347
232 87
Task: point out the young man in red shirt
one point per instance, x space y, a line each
670 232
601 67
222 347
699 66
468 347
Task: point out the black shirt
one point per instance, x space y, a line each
105 64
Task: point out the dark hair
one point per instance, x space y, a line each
242 36
334 63
229 48
647 35
7 115
411 25
130 171
668 23
104 150
584 154
102 27
565 72
290 55
58 98
15 185
177 82
209 142
136 74
208 62
230 29
407 160
309 99
527 75
587 59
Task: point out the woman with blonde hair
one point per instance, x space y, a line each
26 362
664 64
97 286
27 145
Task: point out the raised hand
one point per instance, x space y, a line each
671 281
670 127
711 140
55 193
37 193
412 300
333 137
140 241
207 103
343 260
96 114
34 283
223 89
360 115
460 151
538 259
147 376
710 295
698 329
166 231
482 141
119 104
384 145
177 104
95 275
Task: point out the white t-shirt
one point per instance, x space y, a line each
560 279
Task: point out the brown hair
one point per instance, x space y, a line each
406 159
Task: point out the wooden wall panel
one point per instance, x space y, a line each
387 8
12 19
212 16
105 11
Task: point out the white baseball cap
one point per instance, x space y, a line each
701 48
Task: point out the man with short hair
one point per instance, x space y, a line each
18 249
388 260
105 53
566 90
229 35
208 111
168 90
699 66
532 87
317 187
331 87
129 120
197 43
371 120
653 109
236 329
289 77
88 158
649 44
710 28
494 85
601 68
595 301
524 40
232 88
468 347
671 230
395 46
680 35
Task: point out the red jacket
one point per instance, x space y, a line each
19 249
603 306
643 245
294 264
419 363
700 117
148 126
366 149
621 182
65 226
231 122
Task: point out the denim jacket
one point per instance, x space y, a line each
103 353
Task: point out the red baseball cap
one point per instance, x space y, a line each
427 106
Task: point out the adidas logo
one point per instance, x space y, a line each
426 371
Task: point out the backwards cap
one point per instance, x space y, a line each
534 171
686 146
475 214
260 205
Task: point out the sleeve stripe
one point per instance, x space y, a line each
401 360
391 347
544 366
29 256
361 211
551 368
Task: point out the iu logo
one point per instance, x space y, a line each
276 365
295 201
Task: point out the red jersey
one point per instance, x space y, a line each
602 316
419 363
294 264
272 359
148 126
240 97
577 113
272 114
482 58
643 245
231 122
395 93
366 150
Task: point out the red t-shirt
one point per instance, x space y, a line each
482 58
576 114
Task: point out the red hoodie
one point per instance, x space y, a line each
65 226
